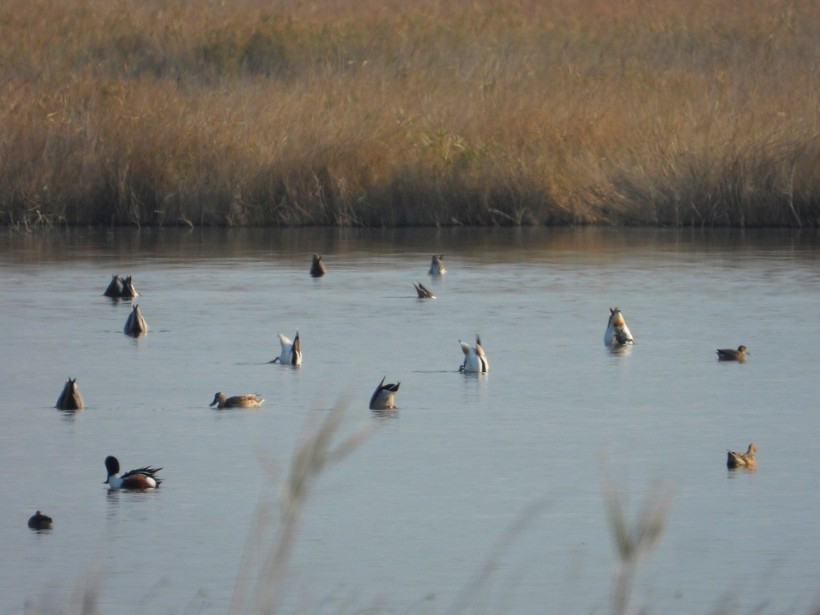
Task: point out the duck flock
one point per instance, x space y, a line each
617 336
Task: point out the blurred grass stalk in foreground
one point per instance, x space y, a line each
259 587
634 542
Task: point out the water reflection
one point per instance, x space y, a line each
500 245
620 351
385 413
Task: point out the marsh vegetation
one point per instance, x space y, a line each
428 113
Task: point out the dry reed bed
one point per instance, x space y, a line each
423 113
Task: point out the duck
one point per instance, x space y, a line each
742 460
129 291
39 521
291 351
437 265
70 398
617 333
730 354
135 480
317 267
237 401
423 292
475 361
135 324
384 397
114 289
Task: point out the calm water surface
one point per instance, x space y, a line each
408 522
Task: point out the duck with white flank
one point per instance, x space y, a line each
291 353
437 265
475 361
134 480
617 333
237 401
384 397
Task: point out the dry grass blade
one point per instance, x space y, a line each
467 598
316 451
634 542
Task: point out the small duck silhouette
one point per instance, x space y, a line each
135 324
70 398
317 267
437 265
114 289
39 521
423 292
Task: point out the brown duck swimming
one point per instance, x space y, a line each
730 354
742 460
237 401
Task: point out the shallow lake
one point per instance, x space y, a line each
478 494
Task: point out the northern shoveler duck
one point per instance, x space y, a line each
291 353
729 354
114 289
742 460
129 291
237 401
423 292
70 398
39 521
475 361
317 267
135 325
617 333
437 265
136 480
384 397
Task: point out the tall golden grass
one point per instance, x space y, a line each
260 112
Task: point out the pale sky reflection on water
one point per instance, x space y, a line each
408 521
